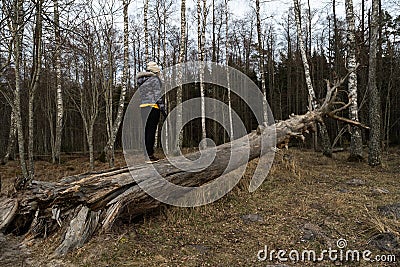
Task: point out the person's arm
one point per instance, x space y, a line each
160 101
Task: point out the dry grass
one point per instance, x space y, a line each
302 188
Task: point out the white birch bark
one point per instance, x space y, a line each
231 133
201 25
108 94
261 62
18 36
59 93
310 88
166 100
356 139
182 47
326 146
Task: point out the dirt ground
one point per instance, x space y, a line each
307 202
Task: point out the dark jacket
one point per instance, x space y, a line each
149 87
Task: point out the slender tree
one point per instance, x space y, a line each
17 28
112 136
374 156
182 47
201 29
356 138
146 30
7 33
10 151
88 92
56 148
213 41
227 70
309 28
166 99
326 146
34 83
261 62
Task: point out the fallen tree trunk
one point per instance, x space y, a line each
78 206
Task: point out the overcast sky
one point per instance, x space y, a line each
270 9
273 10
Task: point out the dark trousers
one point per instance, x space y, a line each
150 127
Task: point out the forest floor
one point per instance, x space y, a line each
308 202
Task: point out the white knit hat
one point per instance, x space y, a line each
153 67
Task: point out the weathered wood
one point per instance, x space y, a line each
82 204
78 206
8 209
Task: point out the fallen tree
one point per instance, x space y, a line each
78 206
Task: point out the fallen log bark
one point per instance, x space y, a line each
78 206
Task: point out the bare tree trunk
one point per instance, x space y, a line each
356 138
89 136
86 99
166 98
159 28
10 152
201 28
374 156
182 49
89 109
309 29
59 93
50 118
18 36
232 137
309 51
146 30
34 83
108 97
326 144
261 62
121 104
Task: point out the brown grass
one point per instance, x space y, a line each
302 188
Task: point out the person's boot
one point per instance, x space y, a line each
152 159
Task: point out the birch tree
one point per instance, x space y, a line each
356 139
326 146
56 147
114 125
146 31
17 31
261 62
201 34
374 156
180 75
227 70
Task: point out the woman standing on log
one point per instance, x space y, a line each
151 105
